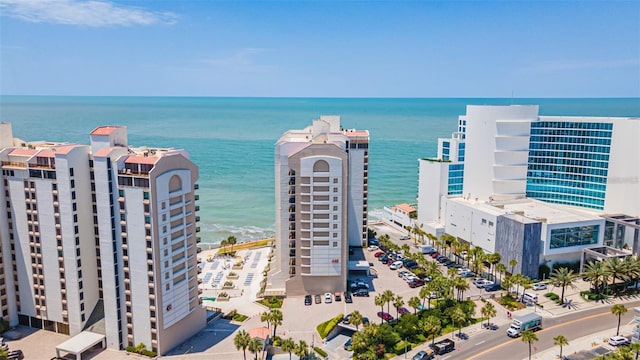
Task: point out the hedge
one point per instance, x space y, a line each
401 346
320 351
325 328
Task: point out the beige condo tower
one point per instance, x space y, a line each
321 175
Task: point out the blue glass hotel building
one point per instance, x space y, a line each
535 188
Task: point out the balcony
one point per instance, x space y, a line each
292 217
196 197
292 208
292 252
196 186
292 244
197 207
292 235
292 181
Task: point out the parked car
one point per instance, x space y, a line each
374 241
385 316
382 258
372 248
403 311
347 345
337 296
468 274
435 255
328 298
358 284
492 287
404 237
346 319
487 283
539 286
395 265
618 340
441 258
480 282
415 283
378 254
15 355
409 264
347 297
403 273
463 269
361 292
318 299
307 300
426 354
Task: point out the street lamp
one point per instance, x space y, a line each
405 348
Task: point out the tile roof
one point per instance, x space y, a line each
104 130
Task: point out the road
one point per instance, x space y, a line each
491 345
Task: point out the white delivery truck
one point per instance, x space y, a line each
531 321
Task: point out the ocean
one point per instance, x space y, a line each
232 139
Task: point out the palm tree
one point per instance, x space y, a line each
488 311
302 349
563 277
494 259
231 240
635 346
241 341
432 238
388 296
255 345
459 317
447 241
266 317
501 269
619 310
561 341
379 300
461 285
424 294
615 269
288 345
356 319
529 337
276 320
397 303
414 302
596 273
432 327
508 284
513 263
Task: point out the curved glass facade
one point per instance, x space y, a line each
568 162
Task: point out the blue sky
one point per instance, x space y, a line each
321 48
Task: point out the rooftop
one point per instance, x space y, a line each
104 130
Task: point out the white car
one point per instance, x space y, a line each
618 340
372 248
539 286
396 265
404 237
328 298
463 270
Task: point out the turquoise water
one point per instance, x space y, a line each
231 140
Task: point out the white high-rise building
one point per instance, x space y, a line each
556 184
122 222
321 206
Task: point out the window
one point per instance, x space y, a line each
70 171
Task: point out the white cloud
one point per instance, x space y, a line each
84 13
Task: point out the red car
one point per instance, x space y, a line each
435 255
385 316
403 311
377 254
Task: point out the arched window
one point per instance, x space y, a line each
321 166
175 183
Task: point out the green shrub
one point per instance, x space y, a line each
575 266
320 351
510 303
141 349
553 296
591 296
325 328
401 347
272 302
